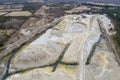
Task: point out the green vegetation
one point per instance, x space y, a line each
4 19
114 14
62 6
9 18
1 44
4 40
89 4
32 7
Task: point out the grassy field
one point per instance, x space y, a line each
19 13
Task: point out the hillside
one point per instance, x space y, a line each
102 1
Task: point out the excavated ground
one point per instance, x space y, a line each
79 47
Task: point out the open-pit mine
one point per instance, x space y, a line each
72 47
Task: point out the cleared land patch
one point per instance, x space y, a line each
2 13
19 13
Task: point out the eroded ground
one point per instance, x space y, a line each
77 48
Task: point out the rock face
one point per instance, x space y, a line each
74 49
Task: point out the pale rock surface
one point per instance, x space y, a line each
43 51
87 44
40 74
